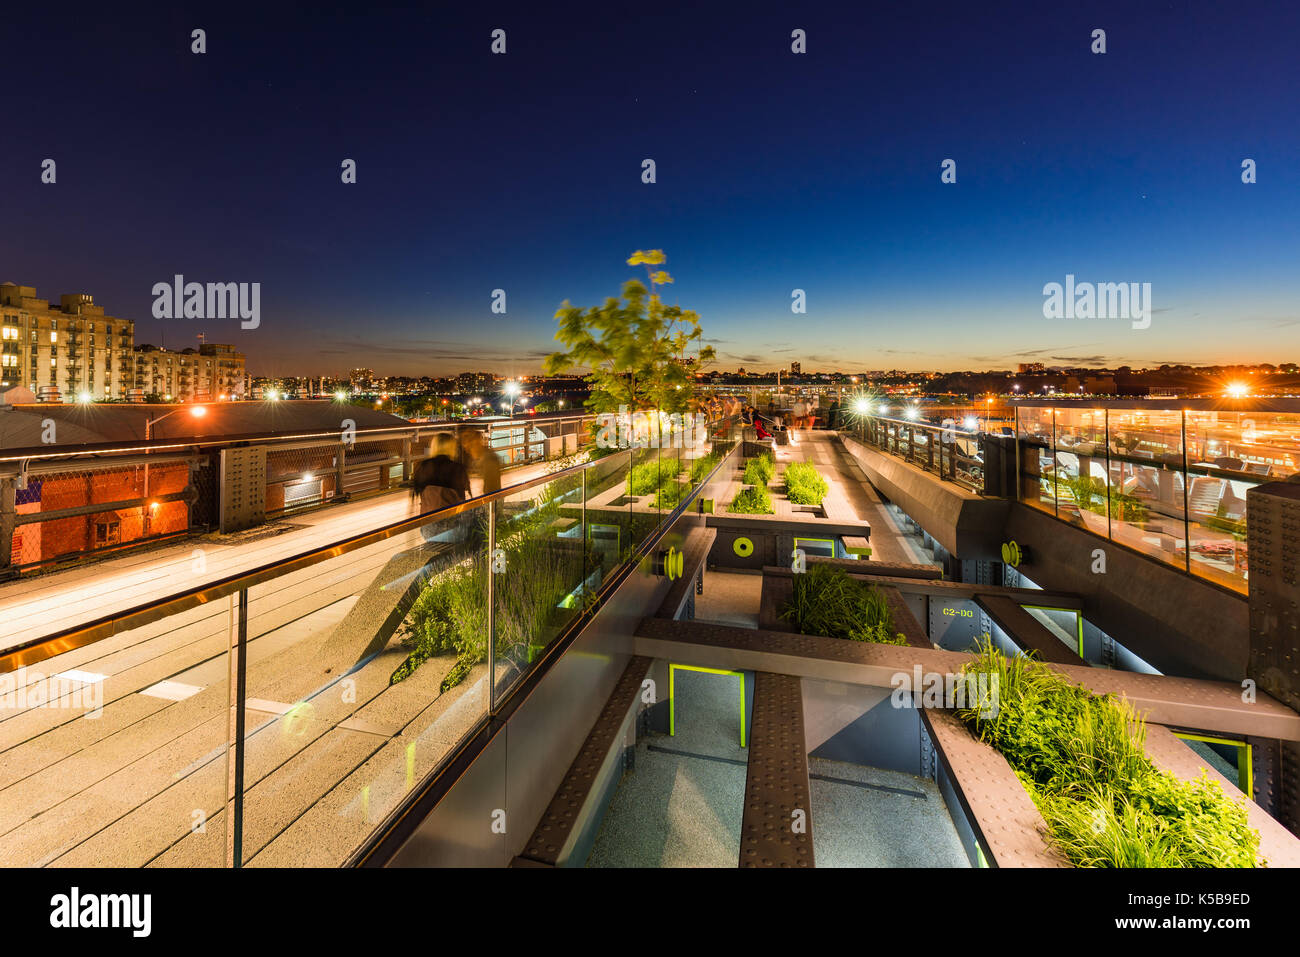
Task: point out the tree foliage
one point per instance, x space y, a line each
640 353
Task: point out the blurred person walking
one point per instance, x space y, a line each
483 464
439 482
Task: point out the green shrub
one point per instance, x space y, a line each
450 613
826 601
670 494
760 469
648 477
1081 758
752 500
804 485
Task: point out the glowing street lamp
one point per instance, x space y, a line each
512 390
198 412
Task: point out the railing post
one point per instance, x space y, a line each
491 609
8 519
236 694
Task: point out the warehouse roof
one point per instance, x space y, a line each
29 426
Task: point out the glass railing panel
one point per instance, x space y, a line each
365 672
1037 462
646 475
541 574
1146 495
1216 510
608 510
1079 468
115 754
1227 453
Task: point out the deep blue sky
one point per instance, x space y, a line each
775 171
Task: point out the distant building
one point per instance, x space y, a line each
1028 367
203 375
795 368
63 351
468 383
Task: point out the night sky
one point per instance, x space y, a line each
775 171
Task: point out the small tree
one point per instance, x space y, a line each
639 351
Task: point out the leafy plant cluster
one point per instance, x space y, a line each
668 495
648 477
760 469
1081 758
752 500
804 485
827 601
450 613
640 352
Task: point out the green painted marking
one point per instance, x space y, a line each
672 703
1245 759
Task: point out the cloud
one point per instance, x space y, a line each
429 349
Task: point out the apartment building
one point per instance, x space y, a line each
69 350
214 371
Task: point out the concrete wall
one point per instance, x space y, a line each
967 525
859 724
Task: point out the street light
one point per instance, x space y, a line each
198 412
512 390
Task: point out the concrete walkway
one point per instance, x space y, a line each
889 543
331 747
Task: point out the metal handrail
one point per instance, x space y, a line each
79 636
109 448
40 649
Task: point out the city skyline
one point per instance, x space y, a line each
776 172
